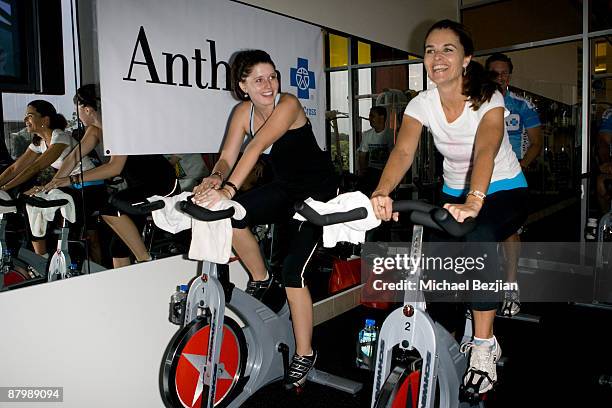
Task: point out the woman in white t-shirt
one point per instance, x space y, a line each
49 146
482 177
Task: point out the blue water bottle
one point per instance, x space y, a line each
366 345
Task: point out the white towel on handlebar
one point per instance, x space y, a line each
11 208
212 241
38 217
353 231
169 218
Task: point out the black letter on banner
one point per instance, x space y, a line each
169 69
198 76
146 51
214 65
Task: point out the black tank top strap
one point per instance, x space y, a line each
252 115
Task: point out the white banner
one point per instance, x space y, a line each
164 70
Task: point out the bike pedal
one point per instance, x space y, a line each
298 390
469 394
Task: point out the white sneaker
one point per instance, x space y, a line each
481 374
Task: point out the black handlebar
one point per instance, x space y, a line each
420 213
7 203
40 202
328 219
191 209
142 208
434 217
204 214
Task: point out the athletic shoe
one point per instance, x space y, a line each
258 289
299 368
481 374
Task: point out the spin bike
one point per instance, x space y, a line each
434 378
23 269
28 268
60 265
216 361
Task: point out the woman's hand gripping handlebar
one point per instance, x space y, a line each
434 217
323 220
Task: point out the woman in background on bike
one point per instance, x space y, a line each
146 176
50 146
482 177
273 120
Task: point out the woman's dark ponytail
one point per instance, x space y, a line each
58 121
478 85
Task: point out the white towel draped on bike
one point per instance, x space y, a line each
169 218
38 217
353 231
11 208
210 241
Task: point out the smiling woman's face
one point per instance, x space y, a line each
34 122
444 56
261 84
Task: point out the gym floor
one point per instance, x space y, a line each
555 362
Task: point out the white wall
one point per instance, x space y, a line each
99 336
398 23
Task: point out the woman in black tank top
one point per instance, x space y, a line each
273 121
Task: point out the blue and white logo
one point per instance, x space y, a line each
302 78
513 122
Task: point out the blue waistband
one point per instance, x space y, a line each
79 186
517 181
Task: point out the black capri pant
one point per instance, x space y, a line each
274 203
501 215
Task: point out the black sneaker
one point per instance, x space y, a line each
299 368
258 289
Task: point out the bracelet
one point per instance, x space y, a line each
477 194
72 179
229 193
232 185
218 173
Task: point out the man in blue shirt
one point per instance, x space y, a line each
523 126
